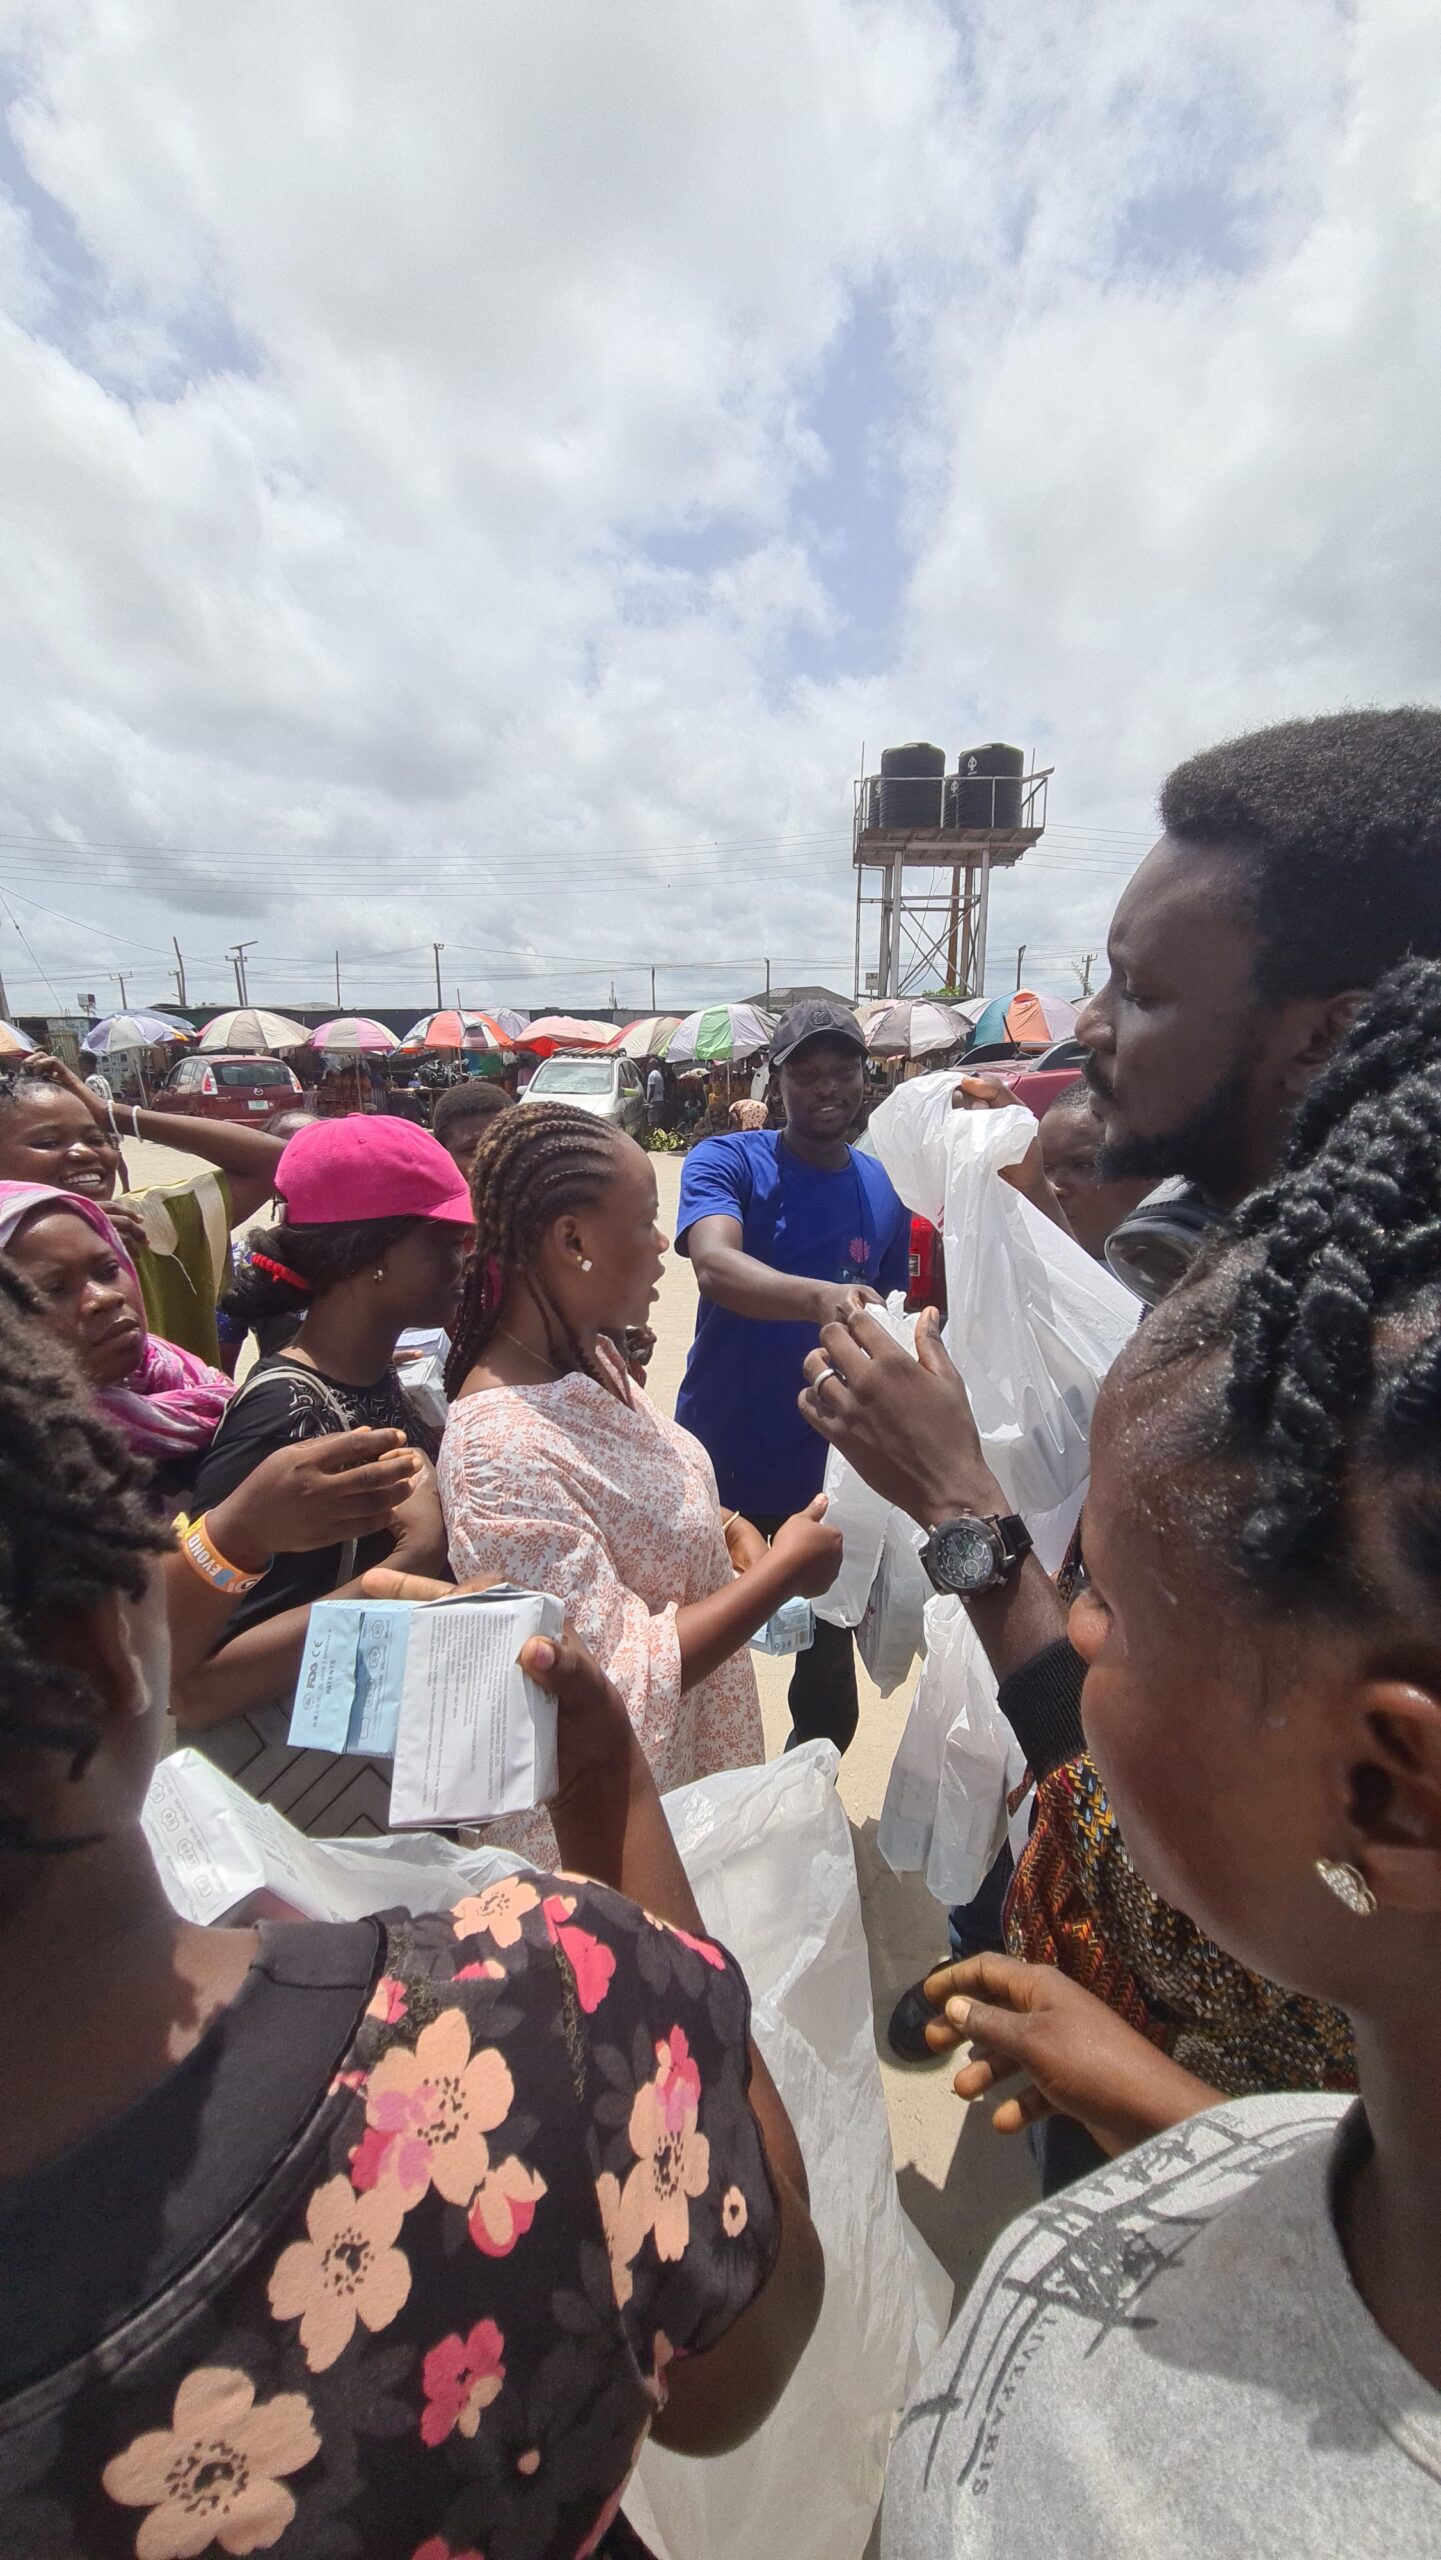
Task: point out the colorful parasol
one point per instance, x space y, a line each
353 1035
451 1029
649 1038
721 1035
128 1031
563 1031
13 1043
251 1030
1032 1021
911 1027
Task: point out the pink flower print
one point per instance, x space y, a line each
347 2270
497 1912
625 2226
735 2213
504 2207
212 2477
434 2107
698 1946
592 1964
859 1249
672 2157
490 1971
388 2001
437 2548
460 2378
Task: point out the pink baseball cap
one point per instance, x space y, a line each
337 1171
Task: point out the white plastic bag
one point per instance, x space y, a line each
862 1517
768 1852
892 1628
1033 1326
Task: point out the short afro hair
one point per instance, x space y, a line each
1339 822
476 1099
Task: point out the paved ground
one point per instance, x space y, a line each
958 2180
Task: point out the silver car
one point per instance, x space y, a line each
608 1086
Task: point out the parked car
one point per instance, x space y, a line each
226 1088
608 1086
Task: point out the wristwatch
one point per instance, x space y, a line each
970 1554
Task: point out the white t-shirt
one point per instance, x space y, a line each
1170 2359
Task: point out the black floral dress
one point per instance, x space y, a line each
437 2326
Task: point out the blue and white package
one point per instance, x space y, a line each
790 1629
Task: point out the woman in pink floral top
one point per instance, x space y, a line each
557 1470
394 2238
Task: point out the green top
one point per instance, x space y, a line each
187 1261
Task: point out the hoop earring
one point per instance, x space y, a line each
1348 1885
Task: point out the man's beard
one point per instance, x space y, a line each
1204 1148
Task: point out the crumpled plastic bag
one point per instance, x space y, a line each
892 1630
1033 1324
768 1852
862 1517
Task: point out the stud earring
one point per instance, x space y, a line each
585 1262
1348 1885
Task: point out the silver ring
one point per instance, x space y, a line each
818 1381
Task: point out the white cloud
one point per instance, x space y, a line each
360 365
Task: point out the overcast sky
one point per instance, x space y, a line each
479 472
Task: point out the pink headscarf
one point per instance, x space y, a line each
171 1403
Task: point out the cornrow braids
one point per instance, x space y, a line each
74 1528
1324 1299
533 1166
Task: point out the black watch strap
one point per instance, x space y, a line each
1015 1537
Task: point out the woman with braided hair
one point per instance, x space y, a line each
1257 2288
333 2237
556 1469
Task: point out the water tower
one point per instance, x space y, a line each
926 843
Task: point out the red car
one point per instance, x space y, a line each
226 1088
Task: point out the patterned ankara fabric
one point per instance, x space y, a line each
439 2324
1078 1903
612 1509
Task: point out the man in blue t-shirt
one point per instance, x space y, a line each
788 1230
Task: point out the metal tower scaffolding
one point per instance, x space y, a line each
934 882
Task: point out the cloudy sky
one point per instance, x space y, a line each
477 471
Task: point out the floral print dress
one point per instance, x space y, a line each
600 1500
439 2328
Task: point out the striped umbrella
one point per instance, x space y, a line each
563 1031
649 1038
911 1027
1032 1021
251 1030
13 1043
452 1030
353 1033
721 1035
128 1031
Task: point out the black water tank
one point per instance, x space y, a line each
987 790
871 802
912 785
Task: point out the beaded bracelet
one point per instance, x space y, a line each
205 1558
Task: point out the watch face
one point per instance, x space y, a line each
963 1555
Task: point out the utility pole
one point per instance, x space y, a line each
236 956
1020 957
652 991
337 982
179 966
437 948
4 999
120 982
768 986
1083 971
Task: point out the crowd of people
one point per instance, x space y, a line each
400 2236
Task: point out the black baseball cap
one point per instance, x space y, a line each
816 1019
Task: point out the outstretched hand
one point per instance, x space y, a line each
319 1493
904 1424
1074 2055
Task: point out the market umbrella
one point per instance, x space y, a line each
352 1033
251 1030
649 1038
911 1027
506 1019
562 1031
1032 1021
450 1029
721 1035
128 1031
13 1043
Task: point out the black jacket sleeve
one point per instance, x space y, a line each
1042 1705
